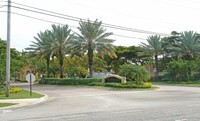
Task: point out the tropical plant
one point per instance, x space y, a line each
93 38
16 61
154 47
141 74
42 48
61 38
187 45
128 71
138 74
180 70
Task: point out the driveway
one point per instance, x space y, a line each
70 103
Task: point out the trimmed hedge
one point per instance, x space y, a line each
126 85
69 81
129 85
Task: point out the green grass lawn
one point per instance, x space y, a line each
21 95
7 104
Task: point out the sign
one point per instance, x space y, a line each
30 77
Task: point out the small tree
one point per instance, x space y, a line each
139 74
181 70
127 70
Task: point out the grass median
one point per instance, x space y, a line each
24 94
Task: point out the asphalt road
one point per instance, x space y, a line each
168 103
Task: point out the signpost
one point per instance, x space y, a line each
30 78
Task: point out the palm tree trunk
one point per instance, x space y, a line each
156 64
90 61
48 72
61 63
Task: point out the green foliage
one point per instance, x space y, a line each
129 85
96 84
93 38
119 85
12 90
61 43
42 47
132 54
24 94
154 48
186 45
99 65
82 72
72 72
68 81
183 70
139 74
127 70
2 86
16 60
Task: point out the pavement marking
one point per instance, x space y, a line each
7 111
181 120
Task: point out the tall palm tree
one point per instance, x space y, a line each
93 38
154 47
61 38
42 47
187 45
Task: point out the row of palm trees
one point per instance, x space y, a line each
184 45
61 41
92 37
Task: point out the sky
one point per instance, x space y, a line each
160 16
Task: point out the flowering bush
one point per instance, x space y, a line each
12 90
15 89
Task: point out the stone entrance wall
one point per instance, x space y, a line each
123 79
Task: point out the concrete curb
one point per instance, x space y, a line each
23 102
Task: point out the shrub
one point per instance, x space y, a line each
76 71
182 70
127 70
129 85
69 81
126 85
139 74
12 90
15 89
96 84
2 86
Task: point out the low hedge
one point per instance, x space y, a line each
12 90
126 85
69 81
92 82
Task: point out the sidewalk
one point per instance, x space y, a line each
23 102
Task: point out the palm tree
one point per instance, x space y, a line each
42 47
93 38
187 45
154 47
61 38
